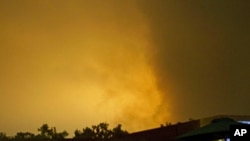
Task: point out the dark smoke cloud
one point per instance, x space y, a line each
202 49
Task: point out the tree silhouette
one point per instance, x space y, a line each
20 136
60 135
100 132
87 133
3 137
45 131
50 133
118 132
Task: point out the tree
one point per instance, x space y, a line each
60 135
3 137
20 136
86 133
100 132
50 133
45 131
118 132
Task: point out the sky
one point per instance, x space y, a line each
141 63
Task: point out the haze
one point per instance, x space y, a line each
140 63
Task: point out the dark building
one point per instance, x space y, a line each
166 133
171 132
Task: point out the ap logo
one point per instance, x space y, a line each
240 132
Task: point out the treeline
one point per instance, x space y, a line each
45 133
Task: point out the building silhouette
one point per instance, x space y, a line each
171 132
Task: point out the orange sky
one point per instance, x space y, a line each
76 64
140 63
